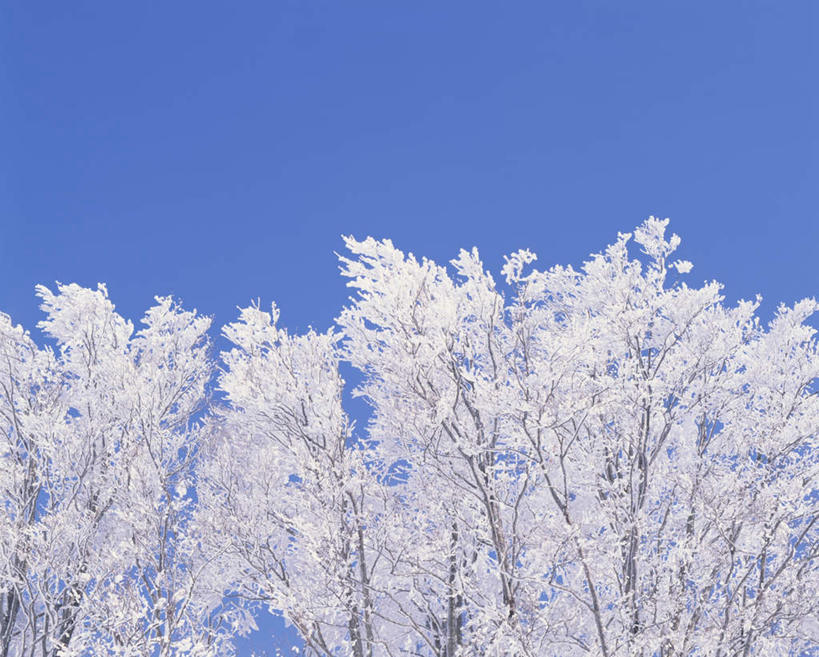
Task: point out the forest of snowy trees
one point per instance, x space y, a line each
594 461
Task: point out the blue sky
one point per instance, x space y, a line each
217 151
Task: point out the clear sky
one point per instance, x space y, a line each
217 151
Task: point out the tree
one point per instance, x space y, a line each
98 556
602 461
609 463
288 469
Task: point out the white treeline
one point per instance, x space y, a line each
601 461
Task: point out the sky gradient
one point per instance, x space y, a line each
218 151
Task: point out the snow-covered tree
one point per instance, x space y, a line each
97 554
301 489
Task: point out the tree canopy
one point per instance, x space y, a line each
593 461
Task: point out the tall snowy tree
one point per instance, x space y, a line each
98 554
